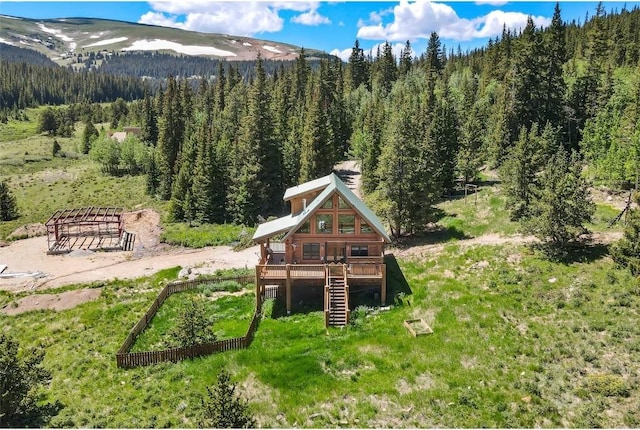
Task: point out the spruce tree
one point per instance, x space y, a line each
357 67
257 187
223 408
434 59
88 136
562 204
518 174
626 251
21 378
8 205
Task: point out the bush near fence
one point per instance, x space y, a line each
126 359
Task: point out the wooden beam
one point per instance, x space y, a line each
258 289
383 285
288 289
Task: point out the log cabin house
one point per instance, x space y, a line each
330 241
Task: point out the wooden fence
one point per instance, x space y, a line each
125 358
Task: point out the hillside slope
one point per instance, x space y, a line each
64 39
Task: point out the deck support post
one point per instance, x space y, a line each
258 289
383 285
288 289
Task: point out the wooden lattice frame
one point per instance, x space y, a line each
91 228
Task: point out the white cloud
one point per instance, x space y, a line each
310 18
492 2
238 17
416 20
396 48
343 54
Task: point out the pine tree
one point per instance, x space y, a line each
357 67
257 188
170 136
21 376
88 136
149 131
626 251
193 326
386 72
315 156
527 93
518 174
443 131
434 63
222 408
406 59
8 205
562 204
554 88
407 170
470 156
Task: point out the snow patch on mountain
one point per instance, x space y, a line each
7 42
271 49
159 44
107 42
59 35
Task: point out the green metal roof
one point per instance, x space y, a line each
331 184
276 226
307 187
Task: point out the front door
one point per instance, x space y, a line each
335 252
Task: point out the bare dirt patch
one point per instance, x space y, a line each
56 302
148 257
28 230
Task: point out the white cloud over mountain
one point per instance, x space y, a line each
238 18
416 20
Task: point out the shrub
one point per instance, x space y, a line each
607 385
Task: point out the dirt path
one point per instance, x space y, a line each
29 255
490 239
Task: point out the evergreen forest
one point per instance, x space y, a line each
224 147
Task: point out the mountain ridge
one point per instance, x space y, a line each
64 39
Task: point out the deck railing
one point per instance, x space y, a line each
318 271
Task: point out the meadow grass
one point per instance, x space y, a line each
233 315
199 236
518 342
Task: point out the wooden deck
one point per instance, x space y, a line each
282 272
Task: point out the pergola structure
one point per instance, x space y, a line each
92 228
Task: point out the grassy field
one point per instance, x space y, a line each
518 341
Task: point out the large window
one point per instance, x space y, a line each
359 251
311 251
365 228
346 224
328 204
324 223
342 204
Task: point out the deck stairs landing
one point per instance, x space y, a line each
336 299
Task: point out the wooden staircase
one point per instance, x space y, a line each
336 297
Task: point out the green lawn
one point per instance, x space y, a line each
518 342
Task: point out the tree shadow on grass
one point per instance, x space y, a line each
586 253
433 236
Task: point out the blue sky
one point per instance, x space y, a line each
332 26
